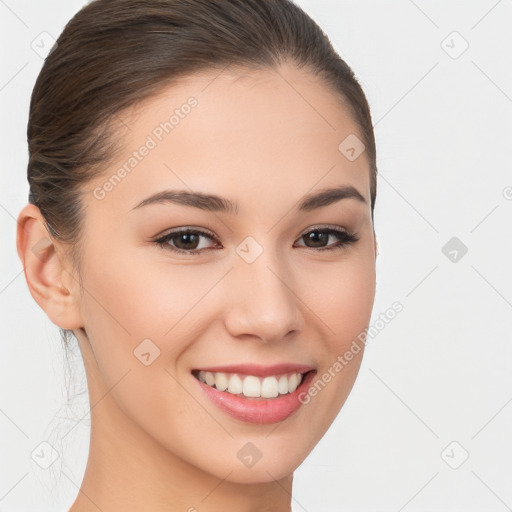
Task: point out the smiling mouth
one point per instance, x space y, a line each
252 386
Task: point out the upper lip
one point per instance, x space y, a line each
259 370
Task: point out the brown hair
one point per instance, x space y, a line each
116 53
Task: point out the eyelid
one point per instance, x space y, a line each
186 227
318 227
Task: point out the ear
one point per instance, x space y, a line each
376 243
47 270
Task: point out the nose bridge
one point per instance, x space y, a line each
263 303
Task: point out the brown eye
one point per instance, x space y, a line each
318 238
184 241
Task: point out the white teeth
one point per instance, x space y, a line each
282 385
235 385
221 381
269 387
293 382
209 378
250 385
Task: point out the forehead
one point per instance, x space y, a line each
245 130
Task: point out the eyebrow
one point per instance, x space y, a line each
214 203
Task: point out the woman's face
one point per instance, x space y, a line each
261 297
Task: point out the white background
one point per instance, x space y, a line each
439 372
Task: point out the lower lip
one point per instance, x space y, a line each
257 410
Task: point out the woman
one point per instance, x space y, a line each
202 185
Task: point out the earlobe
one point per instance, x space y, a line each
49 282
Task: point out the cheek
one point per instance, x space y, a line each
136 319
141 296
341 297
351 308
138 313
344 308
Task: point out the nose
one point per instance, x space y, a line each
262 303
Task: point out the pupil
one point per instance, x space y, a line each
187 236
316 236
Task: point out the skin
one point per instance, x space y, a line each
157 442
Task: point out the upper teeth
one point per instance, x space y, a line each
250 385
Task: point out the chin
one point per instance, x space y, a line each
260 460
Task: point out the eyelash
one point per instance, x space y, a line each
345 238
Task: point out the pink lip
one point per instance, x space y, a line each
258 410
259 370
